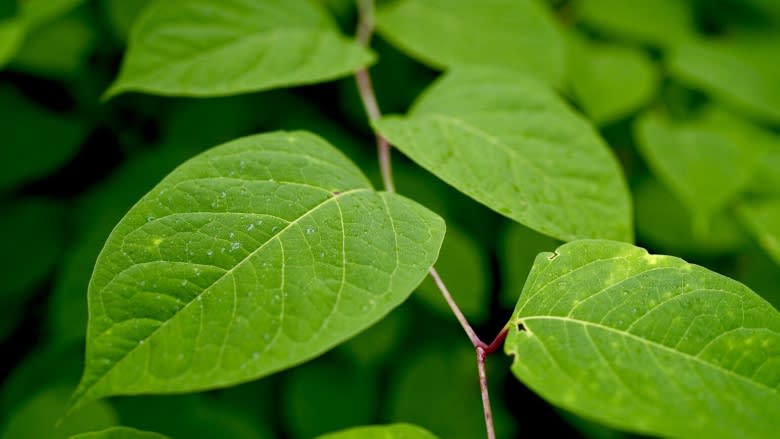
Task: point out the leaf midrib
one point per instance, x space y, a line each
651 343
206 289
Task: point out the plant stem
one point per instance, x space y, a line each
364 31
483 386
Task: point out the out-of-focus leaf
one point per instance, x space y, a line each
119 433
665 223
762 217
327 395
33 237
188 416
517 250
11 37
705 162
122 14
741 71
656 22
609 81
444 377
680 351
518 34
377 343
252 257
509 142
36 418
226 47
59 49
465 267
759 272
35 141
394 431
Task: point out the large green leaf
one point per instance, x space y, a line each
762 217
740 71
392 431
249 258
656 22
648 343
224 47
705 162
511 143
119 433
610 81
517 34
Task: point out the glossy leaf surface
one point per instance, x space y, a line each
518 34
647 343
393 431
511 143
252 257
224 47
119 433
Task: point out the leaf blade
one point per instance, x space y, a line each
249 258
179 47
708 362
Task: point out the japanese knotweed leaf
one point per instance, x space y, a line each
392 431
225 47
120 433
252 257
509 142
519 34
647 343
762 218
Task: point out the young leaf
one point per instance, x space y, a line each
762 218
705 162
250 258
610 81
519 34
647 343
656 22
511 143
393 431
119 433
224 47
741 71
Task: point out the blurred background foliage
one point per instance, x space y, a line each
687 93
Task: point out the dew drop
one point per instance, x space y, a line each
222 194
184 283
140 342
149 218
234 246
310 230
210 252
256 356
250 227
322 255
232 235
259 222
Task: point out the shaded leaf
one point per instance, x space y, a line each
741 72
11 37
657 22
179 47
609 81
252 257
121 15
119 433
518 34
511 143
647 343
391 431
517 250
762 217
705 162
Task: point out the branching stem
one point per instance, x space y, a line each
364 31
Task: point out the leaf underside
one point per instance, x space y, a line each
648 343
252 257
207 48
511 143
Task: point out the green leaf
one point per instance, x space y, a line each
180 47
250 258
740 71
392 431
121 15
11 37
326 395
518 34
647 343
705 162
517 250
465 266
609 81
36 418
119 433
657 22
36 141
509 142
762 217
